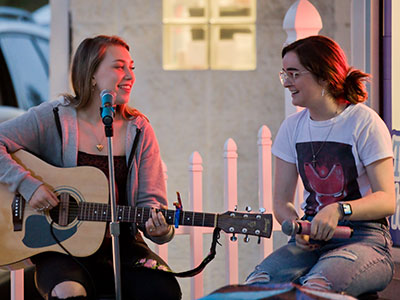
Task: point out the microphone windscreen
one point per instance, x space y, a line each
107 97
289 227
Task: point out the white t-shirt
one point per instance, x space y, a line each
342 147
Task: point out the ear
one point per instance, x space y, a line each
323 83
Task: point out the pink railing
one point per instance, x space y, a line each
230 203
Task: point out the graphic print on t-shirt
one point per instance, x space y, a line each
332 178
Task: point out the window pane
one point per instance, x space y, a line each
27 71
233 47
185 11
233 11
185 47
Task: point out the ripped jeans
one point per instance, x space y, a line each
353 266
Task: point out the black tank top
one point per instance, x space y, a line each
101 162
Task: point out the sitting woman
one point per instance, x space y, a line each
342 151
69 132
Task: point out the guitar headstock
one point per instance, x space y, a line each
256 224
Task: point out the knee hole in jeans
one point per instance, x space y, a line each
258 278
317 282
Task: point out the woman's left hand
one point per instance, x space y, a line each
325 222
156 224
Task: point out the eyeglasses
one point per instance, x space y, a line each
292 75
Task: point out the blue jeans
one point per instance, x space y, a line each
352 266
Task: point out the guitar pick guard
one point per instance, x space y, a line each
38 234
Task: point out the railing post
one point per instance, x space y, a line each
17 284
230 201
265 182
196 236
301 20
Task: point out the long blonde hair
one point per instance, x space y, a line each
87 58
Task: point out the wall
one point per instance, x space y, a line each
395 64
199 110
395 76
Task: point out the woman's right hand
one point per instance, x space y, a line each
43 198
303 242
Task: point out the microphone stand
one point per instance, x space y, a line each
114 224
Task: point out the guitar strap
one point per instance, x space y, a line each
206 260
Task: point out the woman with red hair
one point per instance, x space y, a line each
343 153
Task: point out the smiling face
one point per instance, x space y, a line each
305 89
115 73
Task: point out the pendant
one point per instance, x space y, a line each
99 147
314 161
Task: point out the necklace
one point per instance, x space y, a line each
88 130
315 154
99 147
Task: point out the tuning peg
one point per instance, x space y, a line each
235 209
262 210
246 239
248 208
233 238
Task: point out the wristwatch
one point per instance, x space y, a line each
346 209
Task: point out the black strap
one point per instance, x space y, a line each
58 123
206 260
134 146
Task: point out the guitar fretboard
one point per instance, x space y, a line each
89 211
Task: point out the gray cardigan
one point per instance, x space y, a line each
36 131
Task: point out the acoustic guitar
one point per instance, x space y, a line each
79 221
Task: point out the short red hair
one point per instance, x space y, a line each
324 58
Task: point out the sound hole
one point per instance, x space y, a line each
66 211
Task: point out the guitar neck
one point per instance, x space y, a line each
89 211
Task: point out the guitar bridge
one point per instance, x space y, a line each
17 210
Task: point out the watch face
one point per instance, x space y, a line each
346 209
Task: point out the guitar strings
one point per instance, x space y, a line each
90 212
139 215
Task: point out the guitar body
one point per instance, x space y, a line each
78 222
77 185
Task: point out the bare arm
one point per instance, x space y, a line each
382 201
284 190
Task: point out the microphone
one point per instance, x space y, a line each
302 227
107 109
